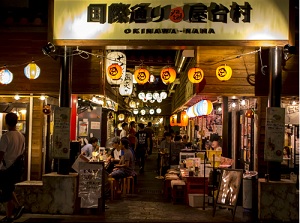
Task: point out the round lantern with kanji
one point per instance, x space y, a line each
223 73
114 71
168 75
141 76
195 75
173 120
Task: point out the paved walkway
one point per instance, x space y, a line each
147 205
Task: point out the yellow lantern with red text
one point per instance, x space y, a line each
168 75
141 75
184 119
114 71
173 120
195 75
224 73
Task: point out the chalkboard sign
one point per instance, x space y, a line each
229 187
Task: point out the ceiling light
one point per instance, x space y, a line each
17 97
233 104
243 102
42 97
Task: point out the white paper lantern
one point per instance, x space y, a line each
141 95
163 95
132 104
135 111
158 110
151 111
155 95
126 86
143 112
149 96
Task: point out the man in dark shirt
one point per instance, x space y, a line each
142 143
150 133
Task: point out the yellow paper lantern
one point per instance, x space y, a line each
168 75
141 76
223 73
114 71
195 75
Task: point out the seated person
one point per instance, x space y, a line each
89 148
215 145
126 166
115 155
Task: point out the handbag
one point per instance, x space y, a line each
17 169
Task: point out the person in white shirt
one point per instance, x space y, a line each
124 132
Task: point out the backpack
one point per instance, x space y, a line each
17 169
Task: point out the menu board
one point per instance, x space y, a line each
274 137
90 184
229 187
61 134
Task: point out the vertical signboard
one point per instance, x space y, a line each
61 135
90 184
274 138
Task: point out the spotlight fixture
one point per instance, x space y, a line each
49 48
17 97
42 97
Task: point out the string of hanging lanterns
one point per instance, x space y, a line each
152 97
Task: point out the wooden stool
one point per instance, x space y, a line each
128 185
178 191
113 188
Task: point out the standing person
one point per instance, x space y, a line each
150 133
89 148
124 132
165 149
131 134
141 146
12 145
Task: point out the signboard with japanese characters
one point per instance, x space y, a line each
274 137
61 135
171 20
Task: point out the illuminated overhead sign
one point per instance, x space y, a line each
178 20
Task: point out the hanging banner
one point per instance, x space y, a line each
274 137
126 87
61 135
